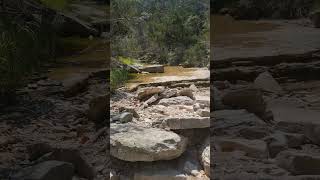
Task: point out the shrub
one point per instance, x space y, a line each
197 56
24 44
117 78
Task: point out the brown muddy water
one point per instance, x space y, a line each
171 73
226 31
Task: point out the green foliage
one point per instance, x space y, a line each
165 28
117 78
197 56
127 60
23 46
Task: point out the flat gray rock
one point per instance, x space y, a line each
145 144
187 122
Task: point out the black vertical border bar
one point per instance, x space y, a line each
108 58
211 68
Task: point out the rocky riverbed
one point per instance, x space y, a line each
265 118
51 134
161 131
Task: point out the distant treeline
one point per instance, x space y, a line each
161 31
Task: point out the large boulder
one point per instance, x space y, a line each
153 69
132 143
48 170
267 83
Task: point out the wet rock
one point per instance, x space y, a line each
299 163
203 112
153 69
131 143
75 85
125 117
144 93
186 92
252 148
179 100
267 83
98 109
187 122
48 170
